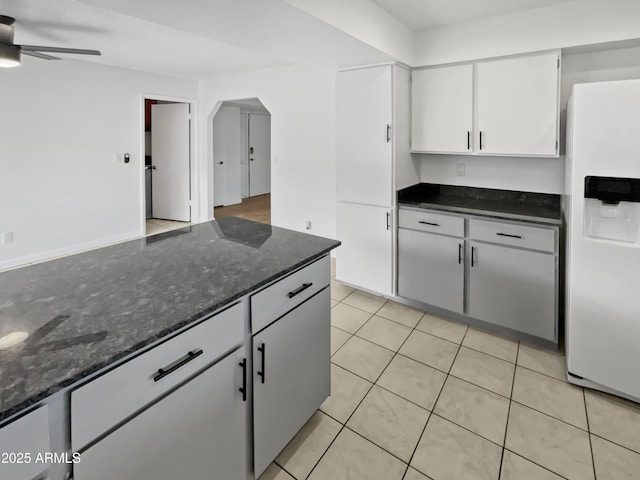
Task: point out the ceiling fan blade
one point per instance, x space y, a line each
37 48
39 55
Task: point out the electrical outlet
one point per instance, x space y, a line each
7 237
460 169
308 224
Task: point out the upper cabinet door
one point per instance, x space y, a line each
363 136
442 115
517 106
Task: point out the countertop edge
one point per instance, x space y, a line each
484 213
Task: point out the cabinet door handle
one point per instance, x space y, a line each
243 389
468 140
480 140
508 235
163 372
473 256
388 133
262 349
459 253
429 223
298 290
388 220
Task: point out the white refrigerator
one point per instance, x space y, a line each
603 237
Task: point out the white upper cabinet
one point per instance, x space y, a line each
517 105
363 140
442 114
504 107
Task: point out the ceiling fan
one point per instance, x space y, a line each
10 52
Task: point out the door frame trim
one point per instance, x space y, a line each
193 164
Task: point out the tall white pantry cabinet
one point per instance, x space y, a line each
373 115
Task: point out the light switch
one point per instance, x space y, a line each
460 169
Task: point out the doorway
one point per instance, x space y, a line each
167 168
241 146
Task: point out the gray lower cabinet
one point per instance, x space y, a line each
431 269
292 375
513 288
501 272
20 443
196 432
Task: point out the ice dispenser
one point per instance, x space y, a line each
612 208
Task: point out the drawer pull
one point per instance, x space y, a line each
508 235
243 389
473 256
429 223
163 372
300 289
262 349
459 253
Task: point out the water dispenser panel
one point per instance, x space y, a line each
612 209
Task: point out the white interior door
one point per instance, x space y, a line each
259 154
244 155
227 153
170 144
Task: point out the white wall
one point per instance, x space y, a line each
301 101
535 174
60 125
579 22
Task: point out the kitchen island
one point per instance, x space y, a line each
86 318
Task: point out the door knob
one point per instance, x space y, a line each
251 159
220 163
153 167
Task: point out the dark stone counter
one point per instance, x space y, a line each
87 311
505 204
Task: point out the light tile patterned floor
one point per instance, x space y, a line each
418 397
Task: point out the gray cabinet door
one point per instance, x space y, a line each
513 288
199 431
431 269
292 376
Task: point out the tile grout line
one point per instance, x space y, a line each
506 427
435 403
536 463
586 413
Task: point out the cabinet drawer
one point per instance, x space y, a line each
101 404
27 435
282 296
428 221
535 238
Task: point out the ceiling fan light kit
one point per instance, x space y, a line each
10 53
9 56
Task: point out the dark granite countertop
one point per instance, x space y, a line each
86 311
505 204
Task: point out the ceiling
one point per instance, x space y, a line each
205 38
423 14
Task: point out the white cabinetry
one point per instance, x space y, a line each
506 106
511 277
365 258
517 105
372 150
21 441
442 114
198 431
